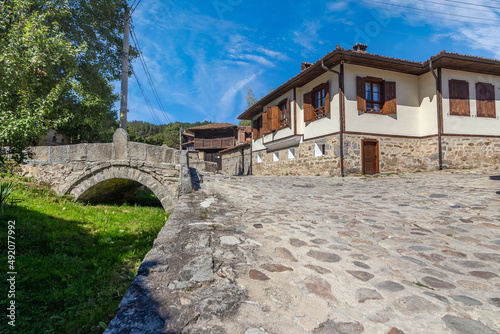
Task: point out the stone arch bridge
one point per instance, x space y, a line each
100 171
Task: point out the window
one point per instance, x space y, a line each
377 96
373 93
485 100
283 114
259 158
291 154
317 103
459 97
276 156
319 149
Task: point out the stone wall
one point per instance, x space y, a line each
395 155
471 152
236 161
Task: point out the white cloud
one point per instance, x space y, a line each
307 35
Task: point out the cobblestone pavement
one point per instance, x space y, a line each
412 253
405 253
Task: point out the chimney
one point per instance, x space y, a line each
360 48
305 66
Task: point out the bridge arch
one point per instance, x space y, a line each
113 178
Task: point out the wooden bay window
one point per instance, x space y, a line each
317 103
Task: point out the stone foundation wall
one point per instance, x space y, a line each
236 162
470 152
304 162
395 155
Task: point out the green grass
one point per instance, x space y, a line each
74 261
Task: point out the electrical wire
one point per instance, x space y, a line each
134 8
456 6
148 103
148 75
432 17
426 10
473 4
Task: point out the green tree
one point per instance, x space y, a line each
251 99
245 122
38 67
58 60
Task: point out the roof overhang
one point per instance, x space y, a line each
442 60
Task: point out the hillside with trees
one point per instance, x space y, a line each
144 132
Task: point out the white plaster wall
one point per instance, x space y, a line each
428 105
470 125
323 126
407 122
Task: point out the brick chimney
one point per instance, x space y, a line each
304 66
361 48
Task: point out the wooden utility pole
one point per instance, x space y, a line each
124 91
180 138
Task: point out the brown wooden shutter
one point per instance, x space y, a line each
327 99
361 93
308 108
459 97
288 113
266 120
390 105
255 129
485 100
275 117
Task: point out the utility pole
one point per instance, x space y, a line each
124 91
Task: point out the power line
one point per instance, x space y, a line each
134 8
456 6
432 17
148 103
426 10
148 75
473 4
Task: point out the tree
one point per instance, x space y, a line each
58 61
245 122
38 67
251 99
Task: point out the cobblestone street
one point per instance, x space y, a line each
402 253
412 253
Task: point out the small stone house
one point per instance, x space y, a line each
357 112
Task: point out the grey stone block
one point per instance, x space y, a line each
99 152
40 153
137 151
58 154
78 152
155 154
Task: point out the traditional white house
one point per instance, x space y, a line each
357 112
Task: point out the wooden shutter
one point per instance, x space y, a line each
485 100
327 99
255 129
288 114
459 98
361 94
275 117
266 120
308 108
390 105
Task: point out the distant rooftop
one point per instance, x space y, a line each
213 126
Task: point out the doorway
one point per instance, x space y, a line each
369 156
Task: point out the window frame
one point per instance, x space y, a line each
381 83
284 114
464 101
316 112
482 104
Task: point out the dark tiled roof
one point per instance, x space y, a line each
213 126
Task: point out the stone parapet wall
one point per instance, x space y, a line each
236 161
396 154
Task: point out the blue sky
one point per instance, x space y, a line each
202 55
